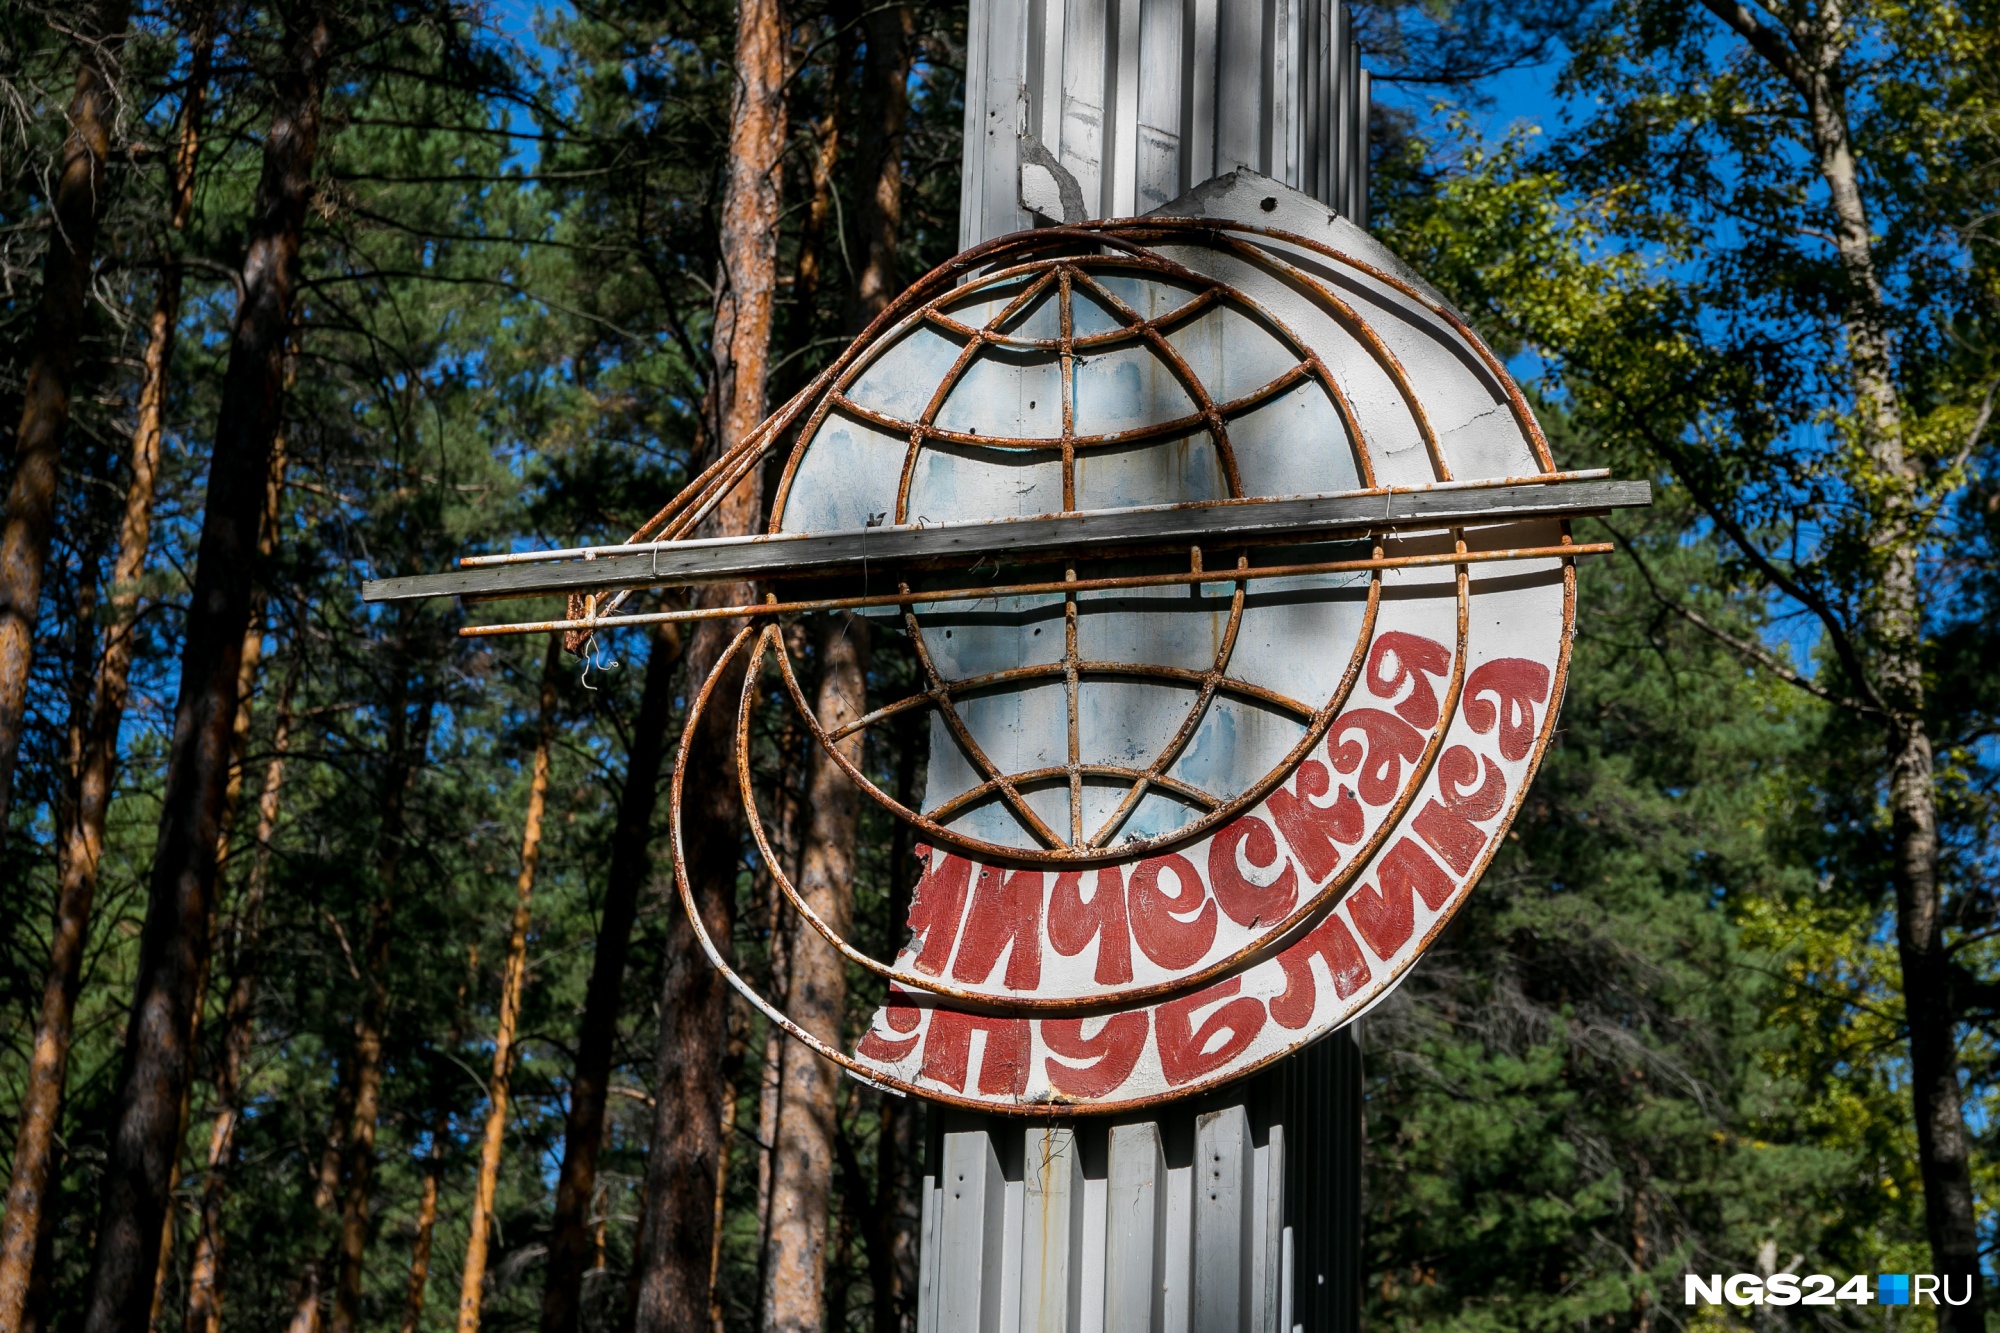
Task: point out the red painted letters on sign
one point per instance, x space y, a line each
1006 910
1114 1050
1247 903
1169 929
1398 658
948 1046
1312 829
1449 827
1379 759
1516 685
936 907
1386 916
900 1018
1188 1052
1330 942
1074 923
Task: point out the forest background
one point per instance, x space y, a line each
341 983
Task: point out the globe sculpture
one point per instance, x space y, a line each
1239 584
1183 811
1086 723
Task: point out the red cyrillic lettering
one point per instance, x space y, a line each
948 1048
1246 903
900 1018
1398 657
1184 1049
1330 941
1114 1050
1449 827
935 909
1312 829
1386 916
1518 685
1168 940
1073 923
1006 910
1390 740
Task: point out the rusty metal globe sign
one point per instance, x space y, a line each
1240 585
1204 777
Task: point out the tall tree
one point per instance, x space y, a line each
802 1159
571 1249
676 1229
76 206
803 1147
204 1297
514 972
81 845
1814 361
367 1055
175 941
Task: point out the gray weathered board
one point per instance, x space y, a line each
1229 523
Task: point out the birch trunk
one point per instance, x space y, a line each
76 205
571 1245
1808 55
676 1228
514 976
175 941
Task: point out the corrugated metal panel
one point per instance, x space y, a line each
1238 1212
1083 109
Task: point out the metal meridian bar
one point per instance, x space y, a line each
1232 523
1051 587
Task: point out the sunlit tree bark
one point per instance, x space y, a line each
675 1237
514 976
174 944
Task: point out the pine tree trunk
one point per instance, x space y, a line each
803 1160
246 685
175 941
204 1306
675 1234
885 115
514 975
891 1239
418 1282
427 1211
76 205
82 836
405 757
571 1247
310 1284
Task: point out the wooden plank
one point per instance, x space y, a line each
878 551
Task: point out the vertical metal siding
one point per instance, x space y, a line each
1238 1212
1140 101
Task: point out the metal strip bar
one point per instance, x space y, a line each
1060 587
865 551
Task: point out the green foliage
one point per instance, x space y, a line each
1665 1034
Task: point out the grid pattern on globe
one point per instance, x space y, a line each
1038 286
